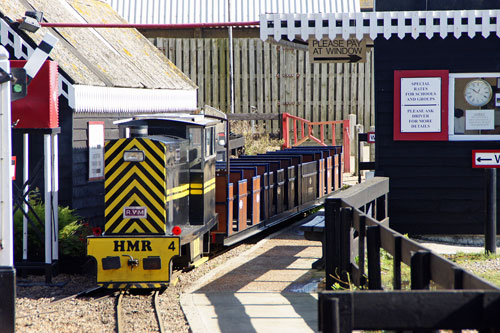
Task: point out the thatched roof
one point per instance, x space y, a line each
117 58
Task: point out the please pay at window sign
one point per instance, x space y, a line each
337 50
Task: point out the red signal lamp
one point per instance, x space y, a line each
176 230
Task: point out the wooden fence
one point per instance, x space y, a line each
271 78
468 301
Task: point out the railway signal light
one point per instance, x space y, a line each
31 22
19 84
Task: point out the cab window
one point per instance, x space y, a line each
194 145
209 141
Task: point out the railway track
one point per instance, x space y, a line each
120 320
115 311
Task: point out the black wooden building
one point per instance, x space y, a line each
104 75
433 187
443 47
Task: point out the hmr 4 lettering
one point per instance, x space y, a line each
126 246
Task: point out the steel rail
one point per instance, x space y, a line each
156 306
118 311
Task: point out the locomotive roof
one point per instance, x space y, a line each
185 118
167 139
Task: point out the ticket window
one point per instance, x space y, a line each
474 107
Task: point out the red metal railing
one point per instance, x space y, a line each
147 26
306 133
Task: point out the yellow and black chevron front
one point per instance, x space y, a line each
135 192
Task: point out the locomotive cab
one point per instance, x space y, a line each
159 190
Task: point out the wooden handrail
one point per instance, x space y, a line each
346 214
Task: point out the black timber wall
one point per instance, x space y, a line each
75 189
433 187
88 196
397 5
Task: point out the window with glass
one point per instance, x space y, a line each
474 106
194 144
209 141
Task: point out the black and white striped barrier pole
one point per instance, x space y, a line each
40 54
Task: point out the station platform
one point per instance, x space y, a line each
269 288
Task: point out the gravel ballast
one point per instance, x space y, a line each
37 309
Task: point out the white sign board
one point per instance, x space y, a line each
337 50
486 159
96 150
480 119
370 137
420 105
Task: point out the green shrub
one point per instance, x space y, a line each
72 232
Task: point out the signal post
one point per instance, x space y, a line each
7 271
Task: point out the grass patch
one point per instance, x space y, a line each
481 264
387 272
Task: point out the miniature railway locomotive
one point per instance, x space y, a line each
168 202
159 200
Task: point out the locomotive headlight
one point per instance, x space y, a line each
134 155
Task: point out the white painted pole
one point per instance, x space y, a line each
6 225
26 168
47 170
231 63
55 196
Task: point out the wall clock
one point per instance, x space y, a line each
478 92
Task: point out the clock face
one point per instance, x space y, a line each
478 92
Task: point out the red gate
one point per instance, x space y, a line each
307 129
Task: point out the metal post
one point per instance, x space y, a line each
352 124
231 57
491 212
372 146
358 156
231 88
26 175
48 207
55 197
7 271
